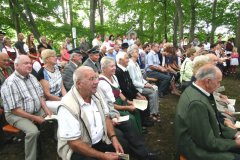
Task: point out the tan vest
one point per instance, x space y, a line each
72 101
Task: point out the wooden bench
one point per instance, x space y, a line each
10 129
182 157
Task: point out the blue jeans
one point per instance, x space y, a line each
163 80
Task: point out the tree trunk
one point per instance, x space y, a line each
178 5
64 11
238 33
193 20
15 18
165 18
214 8
175 30
100 9
92 17
27 17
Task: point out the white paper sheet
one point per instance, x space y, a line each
140 104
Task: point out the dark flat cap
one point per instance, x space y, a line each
94 50
75 50
1 32
124 46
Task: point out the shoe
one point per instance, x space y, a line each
161 95
147 123
155 118
153 156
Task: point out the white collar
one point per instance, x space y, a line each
153 51
201 89
74 63
123 68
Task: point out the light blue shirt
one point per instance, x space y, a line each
152 59
113 55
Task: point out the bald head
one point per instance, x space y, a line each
81 72
23 65
213 58
19 59
85 81
4 60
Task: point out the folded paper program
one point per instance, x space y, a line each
140 104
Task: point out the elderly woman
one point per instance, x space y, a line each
51 79
148 90
109 85
186 71
11 51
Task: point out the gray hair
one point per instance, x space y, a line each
132 49
120 55
206 71
105 61
80 73
73 55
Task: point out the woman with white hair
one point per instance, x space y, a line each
109 85
148 90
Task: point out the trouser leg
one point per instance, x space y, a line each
134 138
163 80
31 134
153 99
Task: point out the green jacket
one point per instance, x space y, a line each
199 136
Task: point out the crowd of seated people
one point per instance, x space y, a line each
86 105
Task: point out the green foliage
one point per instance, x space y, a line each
145 16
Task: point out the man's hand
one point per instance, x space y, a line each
229 123
48 112
237 140
38 119
162 69
140 97
147 85
110 156
117 145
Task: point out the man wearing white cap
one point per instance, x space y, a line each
110 52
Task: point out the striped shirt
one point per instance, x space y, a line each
24 92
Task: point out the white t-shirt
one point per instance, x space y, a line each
69 127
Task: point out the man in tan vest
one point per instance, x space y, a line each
85 130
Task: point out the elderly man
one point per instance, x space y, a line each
5 72
154 70
127 87
85 129
20 45
67 75
93 60
199 132
24 103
